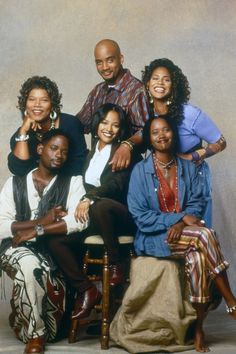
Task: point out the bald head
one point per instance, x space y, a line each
107 43
109 60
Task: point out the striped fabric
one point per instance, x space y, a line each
129 93
203 260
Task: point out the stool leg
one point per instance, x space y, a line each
74 325
85 261
105 303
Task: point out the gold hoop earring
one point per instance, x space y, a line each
150 96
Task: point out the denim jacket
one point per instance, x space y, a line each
152 223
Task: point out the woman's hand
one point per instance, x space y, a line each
29 123
175 231
121 158
82 209
191 220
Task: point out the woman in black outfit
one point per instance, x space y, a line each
105 200
40 105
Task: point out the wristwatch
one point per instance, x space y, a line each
39 229
86 199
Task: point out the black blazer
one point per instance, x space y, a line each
114 185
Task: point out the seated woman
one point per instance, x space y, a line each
166 202
106 191
103 204
40 105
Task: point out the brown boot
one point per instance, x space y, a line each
35 346
85 302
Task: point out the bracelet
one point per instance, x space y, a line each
85 199
22 137
195 156
128 143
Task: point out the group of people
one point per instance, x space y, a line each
61 193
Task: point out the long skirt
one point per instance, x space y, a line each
38 296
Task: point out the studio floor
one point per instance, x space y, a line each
219 327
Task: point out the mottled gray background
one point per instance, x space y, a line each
56 38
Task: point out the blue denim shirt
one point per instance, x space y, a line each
152 223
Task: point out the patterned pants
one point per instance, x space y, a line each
38 299
203 260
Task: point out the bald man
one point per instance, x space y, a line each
119 87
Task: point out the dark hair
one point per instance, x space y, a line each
51 133
40 82
180 86
101 113
173 126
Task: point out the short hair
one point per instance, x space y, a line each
52 133
180 85
173 126
101 113
40 82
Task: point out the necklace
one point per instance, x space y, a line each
166 166
158 172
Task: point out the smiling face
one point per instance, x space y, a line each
161 135
38 105
108 128
53 154
160 84
108 61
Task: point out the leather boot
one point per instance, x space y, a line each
35 346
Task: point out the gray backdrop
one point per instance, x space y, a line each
56 38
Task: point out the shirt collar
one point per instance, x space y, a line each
122 83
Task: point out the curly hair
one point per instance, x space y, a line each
180 86
40 82
101 113
173 126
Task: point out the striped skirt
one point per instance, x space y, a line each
203 260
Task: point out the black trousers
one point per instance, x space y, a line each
110 219
67 251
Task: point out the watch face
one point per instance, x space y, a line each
39 230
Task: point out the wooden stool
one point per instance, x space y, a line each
96 243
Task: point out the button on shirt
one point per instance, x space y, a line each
97 165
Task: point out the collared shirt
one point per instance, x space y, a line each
129 93
8 210
97 165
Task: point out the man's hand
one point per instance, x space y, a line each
22 236
82 209
53 215
121 158
175 231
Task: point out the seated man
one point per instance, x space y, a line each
32 209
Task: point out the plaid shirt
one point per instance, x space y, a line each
129 93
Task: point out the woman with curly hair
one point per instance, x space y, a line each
40 104
169 92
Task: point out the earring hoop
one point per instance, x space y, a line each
25 113
169 101
150 97
53 117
